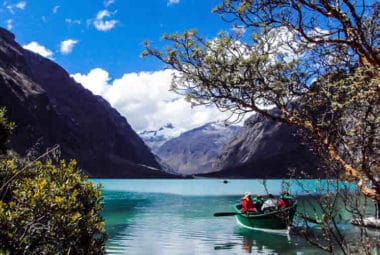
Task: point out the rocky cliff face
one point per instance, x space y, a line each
195 151
266 149
50 108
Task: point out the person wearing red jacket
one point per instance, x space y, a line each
281 203
247 203
285 200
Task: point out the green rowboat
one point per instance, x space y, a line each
275 220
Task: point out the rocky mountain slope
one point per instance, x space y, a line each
259 149
50 108
195 151
266 149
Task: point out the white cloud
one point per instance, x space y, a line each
96 80
39 49
282 41
55 9
170 2
108 2
21 5
67 46
9 24
72 21
239 30
104 25
145 100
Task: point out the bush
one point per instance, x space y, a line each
49 209
6 128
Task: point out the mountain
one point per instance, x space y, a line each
266 149
50 108
195 151
260 149
155 138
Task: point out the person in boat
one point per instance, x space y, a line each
270 204
285 200
258 202
247 203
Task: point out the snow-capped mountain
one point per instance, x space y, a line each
155 138
259 149
195 151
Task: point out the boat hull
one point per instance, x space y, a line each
276 220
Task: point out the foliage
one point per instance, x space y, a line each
6 128
329 206
49 209
316 62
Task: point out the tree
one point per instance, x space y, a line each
316 61
45 208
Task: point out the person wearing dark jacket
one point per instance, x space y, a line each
258 201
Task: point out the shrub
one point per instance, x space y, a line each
48 209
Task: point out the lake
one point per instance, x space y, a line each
155 216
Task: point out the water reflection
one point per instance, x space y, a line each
263 242
247 245
226 246
252 241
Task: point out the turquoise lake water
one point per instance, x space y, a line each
145 216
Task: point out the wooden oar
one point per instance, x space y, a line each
220 214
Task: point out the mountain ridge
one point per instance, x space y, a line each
267 149
195 151
260 149
49 108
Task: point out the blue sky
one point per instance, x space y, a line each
104 33
99 43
